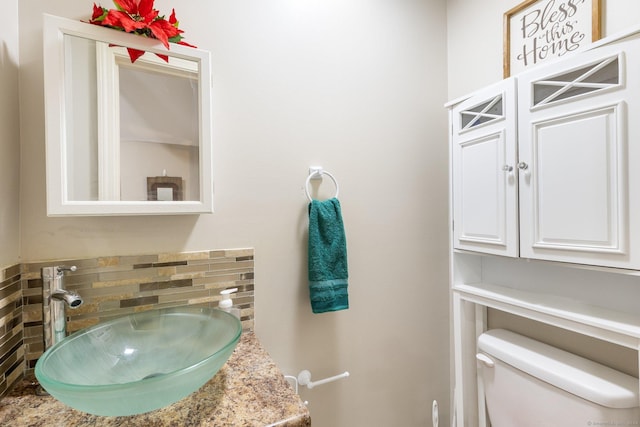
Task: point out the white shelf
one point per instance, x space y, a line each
606 324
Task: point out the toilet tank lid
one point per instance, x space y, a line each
583 377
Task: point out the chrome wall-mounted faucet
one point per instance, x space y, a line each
52 278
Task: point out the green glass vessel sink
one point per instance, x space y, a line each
140 362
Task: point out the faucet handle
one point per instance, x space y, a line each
63 268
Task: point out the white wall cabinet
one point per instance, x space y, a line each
484 155
550 179
577 188
543 168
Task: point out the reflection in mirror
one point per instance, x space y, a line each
81 118
158 105
162 129
124 125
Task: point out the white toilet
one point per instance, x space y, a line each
531 384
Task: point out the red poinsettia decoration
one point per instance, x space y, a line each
139 17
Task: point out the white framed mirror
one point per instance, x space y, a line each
123 137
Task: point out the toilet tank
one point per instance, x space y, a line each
528 383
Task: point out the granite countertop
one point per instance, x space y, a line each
249 390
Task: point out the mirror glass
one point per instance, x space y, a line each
125 137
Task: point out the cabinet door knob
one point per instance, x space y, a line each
507 168
523 166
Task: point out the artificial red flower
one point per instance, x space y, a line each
97 12
134 54
139 17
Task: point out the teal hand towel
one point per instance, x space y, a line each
328 272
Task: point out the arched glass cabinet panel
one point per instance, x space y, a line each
123 137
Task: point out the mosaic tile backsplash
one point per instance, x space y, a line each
12 359
111 287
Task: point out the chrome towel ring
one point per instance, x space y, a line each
317 174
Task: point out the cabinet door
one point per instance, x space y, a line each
573 158
484 177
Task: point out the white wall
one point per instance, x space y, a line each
355 86
9 137
474 36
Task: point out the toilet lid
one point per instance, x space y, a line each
574 374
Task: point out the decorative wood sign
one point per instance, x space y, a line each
538 30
